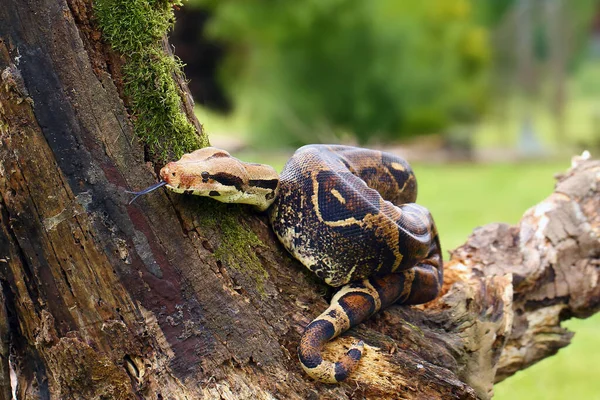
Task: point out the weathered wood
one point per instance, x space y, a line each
180 297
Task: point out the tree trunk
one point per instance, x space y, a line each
176 297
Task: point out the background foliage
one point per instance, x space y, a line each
310 70
324 70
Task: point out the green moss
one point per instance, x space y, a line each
238 242
135 28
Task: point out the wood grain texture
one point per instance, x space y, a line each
105 300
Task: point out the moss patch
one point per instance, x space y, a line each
238 242
135 29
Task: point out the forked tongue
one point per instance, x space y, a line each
147 190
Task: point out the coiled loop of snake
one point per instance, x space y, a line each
346 213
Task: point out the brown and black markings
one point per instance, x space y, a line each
349 215
215 173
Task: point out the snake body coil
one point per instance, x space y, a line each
346 213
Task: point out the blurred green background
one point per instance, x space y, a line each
487 100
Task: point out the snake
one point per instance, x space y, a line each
348 214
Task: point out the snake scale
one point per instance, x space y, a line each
348 214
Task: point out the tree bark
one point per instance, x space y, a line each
176 297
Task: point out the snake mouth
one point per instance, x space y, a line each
145 191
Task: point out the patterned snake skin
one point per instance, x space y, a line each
346 213
349 214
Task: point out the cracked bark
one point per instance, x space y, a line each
104 300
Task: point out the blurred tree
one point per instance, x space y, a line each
313 70
202 57
537 45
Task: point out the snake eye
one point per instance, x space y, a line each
205 175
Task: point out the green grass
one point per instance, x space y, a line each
462 197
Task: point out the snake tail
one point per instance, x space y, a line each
351 305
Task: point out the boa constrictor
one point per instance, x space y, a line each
346 213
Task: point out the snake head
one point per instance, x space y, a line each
215 173
205 172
